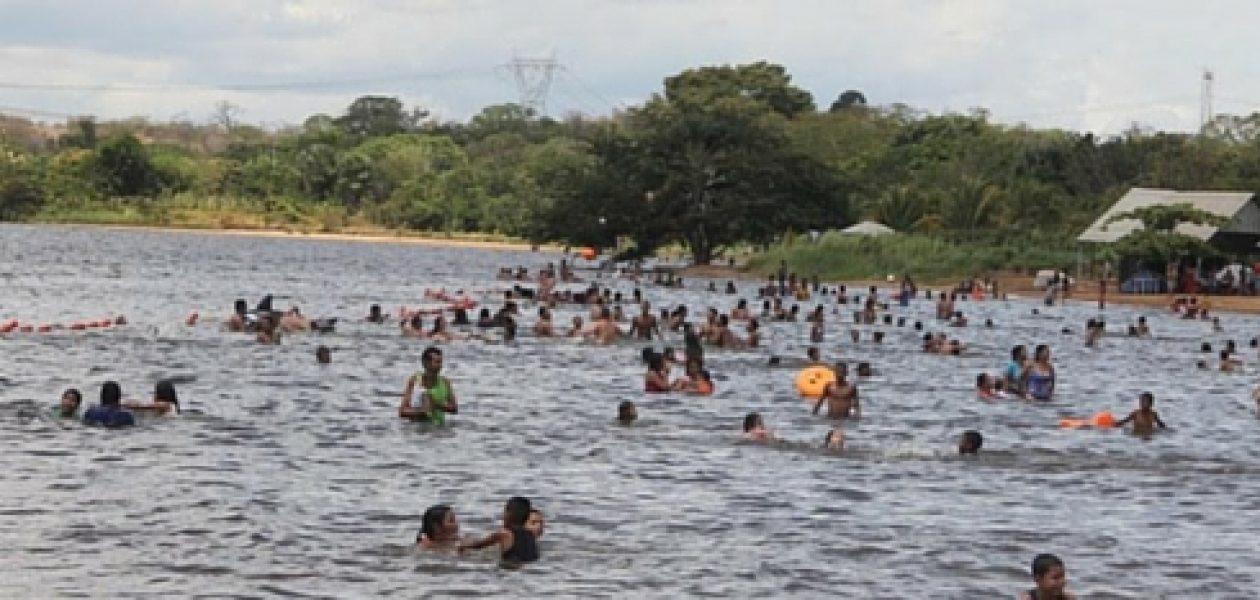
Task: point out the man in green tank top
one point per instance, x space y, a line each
428 395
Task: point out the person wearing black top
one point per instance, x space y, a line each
516 544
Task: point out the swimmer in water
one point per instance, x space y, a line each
755 428
656 380
840 396
68 406
1228 363
984 387
516 544
267 331
1142 329
414 326
834 440
627 413
374 314
970 443
754 335
238 322
323 355
109 413
864 369
1050 578
164 399
644 325
439 529
436 397
576 329
536 524
1144 419
696 382
1038 380
813 357
543 328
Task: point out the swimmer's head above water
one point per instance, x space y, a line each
970 442
627 412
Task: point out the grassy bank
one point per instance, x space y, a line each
223 213
924 257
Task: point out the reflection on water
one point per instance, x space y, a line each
287 478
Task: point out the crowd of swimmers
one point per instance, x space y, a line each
111 411
429 397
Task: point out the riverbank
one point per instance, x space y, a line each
365 235
1011 283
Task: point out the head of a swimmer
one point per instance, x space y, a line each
834 440
1146 400
516 511
241 306
111 394
164 391
71 400
627 412
431 360
323 355
535 524
813 354
1049 574
752 421
1041 353
970 442
439 524
656 362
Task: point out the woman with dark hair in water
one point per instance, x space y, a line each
439 529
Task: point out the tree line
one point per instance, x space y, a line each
720 156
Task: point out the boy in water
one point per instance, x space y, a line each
1145 418
516 544
1050 576
834 440
840 396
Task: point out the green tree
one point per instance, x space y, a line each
20 192
848 99
371 116
124 168
761 81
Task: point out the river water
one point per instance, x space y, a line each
288 478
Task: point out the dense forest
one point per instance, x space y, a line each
720 157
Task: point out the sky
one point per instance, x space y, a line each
1086 65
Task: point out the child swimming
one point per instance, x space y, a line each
1145 418
1050 577
834 440
755 428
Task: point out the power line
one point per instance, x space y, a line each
570 74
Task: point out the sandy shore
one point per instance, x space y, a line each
366 237
1015 284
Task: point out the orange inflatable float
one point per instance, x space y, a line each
812 382
588 253
1102 420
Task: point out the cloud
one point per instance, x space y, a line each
1075 64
